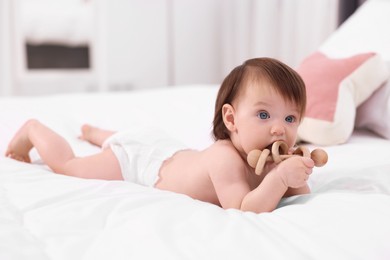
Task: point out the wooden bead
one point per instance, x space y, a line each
319 156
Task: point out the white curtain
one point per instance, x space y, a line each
284 29
5 56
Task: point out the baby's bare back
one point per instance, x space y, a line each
197 173
186 172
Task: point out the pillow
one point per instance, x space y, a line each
374 114
335 87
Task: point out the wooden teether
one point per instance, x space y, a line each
257 158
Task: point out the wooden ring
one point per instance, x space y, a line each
252 157
302 151
261 162
279 148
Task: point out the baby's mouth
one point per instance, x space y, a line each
269 147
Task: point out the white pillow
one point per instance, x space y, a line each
374 114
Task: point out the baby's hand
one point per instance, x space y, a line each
295 171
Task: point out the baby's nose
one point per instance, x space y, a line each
277 130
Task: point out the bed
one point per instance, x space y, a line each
48 216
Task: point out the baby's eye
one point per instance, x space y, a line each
290 119
263 115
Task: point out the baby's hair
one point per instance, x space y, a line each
284 79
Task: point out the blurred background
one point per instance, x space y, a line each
57 46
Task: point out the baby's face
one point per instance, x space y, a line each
263 116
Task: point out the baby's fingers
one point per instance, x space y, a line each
308 162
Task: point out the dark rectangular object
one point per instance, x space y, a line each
48 56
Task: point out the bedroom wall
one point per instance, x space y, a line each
137 43
175 41
192 41
284 29
155 43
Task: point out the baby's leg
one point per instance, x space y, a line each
20 145
94 135
58 155
53 149
103 165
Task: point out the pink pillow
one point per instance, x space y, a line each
335 87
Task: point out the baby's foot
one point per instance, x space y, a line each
88 133
20 145
94 135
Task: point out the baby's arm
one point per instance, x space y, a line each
229 174
297 191
291 173
266 196
233 190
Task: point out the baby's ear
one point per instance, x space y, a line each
228 117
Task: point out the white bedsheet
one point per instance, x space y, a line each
48 216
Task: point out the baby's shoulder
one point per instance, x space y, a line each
223 147
223 153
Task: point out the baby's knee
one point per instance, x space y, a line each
32 122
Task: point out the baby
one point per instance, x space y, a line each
258 103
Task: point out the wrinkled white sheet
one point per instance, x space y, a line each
48 216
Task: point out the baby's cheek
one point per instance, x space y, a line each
253 145
291 141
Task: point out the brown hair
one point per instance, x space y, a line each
284 79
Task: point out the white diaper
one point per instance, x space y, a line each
141 152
